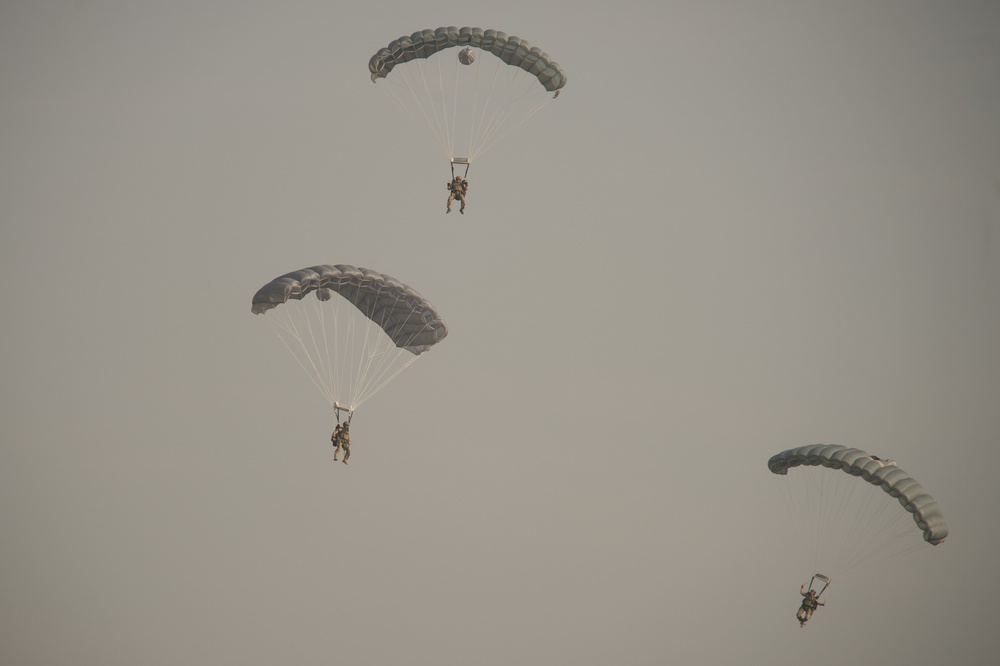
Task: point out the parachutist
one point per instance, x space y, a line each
458 187
809 604
342 439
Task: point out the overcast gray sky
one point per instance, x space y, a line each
742 227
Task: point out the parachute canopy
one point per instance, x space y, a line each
511 50
409 320
362 329
501 82
883 473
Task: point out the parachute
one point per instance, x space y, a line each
844 522
501 82
359 332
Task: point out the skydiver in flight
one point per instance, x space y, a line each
809 604
458 187
342 439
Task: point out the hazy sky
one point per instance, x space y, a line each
742 227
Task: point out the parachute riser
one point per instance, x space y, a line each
826 580
337 407
460 161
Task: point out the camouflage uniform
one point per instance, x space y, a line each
458 188
333 439
809 605
343 442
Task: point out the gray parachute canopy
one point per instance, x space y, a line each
512 50
409 320
885 474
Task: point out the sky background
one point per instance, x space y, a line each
742 227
